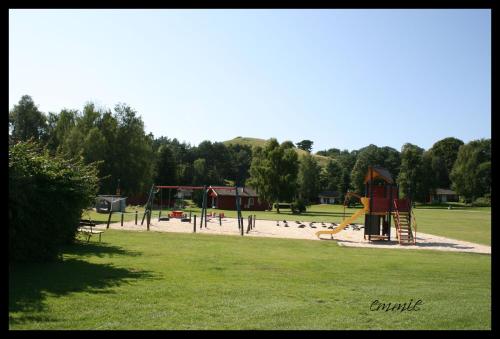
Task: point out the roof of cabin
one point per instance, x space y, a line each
230 191
332 194
445 191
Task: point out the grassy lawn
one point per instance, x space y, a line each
469 224
148 280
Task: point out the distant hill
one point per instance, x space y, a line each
322 160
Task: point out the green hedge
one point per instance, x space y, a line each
46 197
482 202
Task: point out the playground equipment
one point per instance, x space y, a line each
381 201
155 189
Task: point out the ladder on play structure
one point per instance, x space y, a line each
404 220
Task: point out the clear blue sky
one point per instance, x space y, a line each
341 78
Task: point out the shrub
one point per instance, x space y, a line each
482 202
298 206
46 197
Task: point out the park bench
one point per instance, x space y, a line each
86 227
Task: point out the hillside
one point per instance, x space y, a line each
322 160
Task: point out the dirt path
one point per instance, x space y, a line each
273 229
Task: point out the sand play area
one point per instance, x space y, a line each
350 237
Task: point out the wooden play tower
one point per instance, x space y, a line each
381 204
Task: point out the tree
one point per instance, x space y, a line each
368 156
443 155
471 173
331 177
414 177
372 155
58 127
133 155
346 160
273 172
241 159
46 197
166 168
305 145
332 152
287 144
308 178
26 121
200 175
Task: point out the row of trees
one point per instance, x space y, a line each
116 141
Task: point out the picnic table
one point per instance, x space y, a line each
87 227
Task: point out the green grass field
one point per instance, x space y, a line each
148 280
470 224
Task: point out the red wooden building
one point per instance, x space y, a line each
226 199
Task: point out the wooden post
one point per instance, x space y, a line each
203 210
194 224
205 194
371 204
122 220
109 217
249 226
148 203
241 218
148 218
189 216
253 221
240 226
220 220
136 217
389 217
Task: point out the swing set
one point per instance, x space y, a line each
179 213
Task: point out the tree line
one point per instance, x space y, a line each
125 155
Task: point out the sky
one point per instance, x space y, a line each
341 78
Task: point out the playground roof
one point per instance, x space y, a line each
379 172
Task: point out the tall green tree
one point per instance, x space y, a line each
305 145
166 167
331 177
308 178
27 122
273 172
471 173
346 160
414 177
58 127
241 159
443 155
200 172
133 152
372 155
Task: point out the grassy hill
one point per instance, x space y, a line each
322 160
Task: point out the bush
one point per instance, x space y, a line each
46 197
298 206
482 202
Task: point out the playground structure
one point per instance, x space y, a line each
380 203
155 189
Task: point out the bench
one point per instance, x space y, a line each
86 227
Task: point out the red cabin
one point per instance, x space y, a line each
225 199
